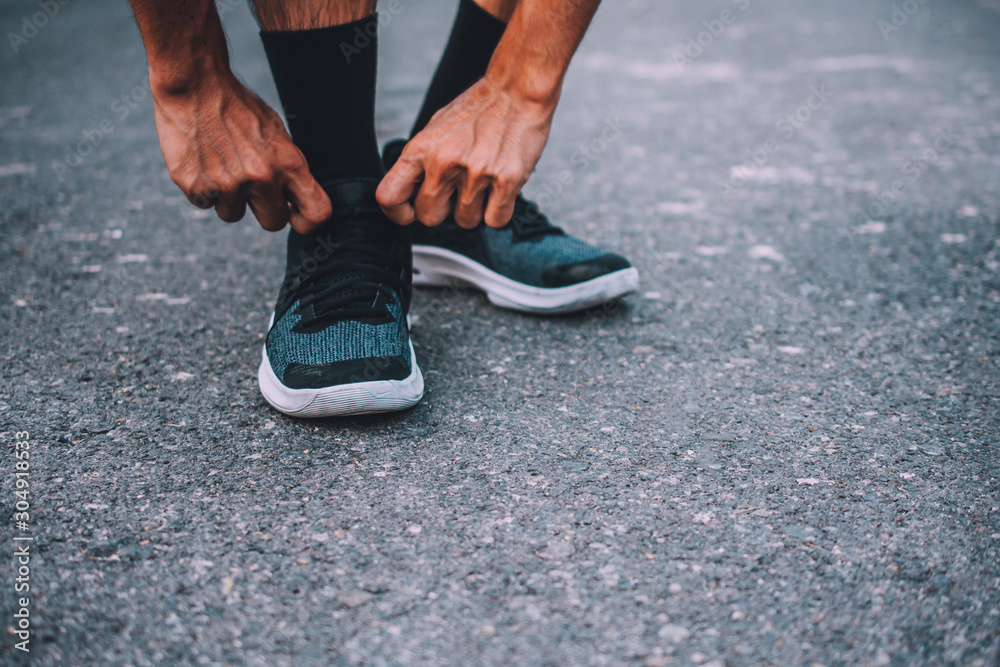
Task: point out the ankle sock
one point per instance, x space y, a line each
328 94
474 37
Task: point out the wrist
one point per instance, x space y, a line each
530 85
526 69
183 76
189 56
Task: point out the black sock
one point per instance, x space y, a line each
328 93
473 39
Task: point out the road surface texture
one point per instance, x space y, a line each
782 450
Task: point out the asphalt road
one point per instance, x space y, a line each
782 450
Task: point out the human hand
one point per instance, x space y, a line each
472 159
224 147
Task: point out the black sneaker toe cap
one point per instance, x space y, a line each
564 275
371 369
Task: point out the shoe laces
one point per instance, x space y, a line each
529 223
359 279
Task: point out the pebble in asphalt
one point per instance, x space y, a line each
781 450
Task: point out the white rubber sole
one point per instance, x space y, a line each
438 267
359 398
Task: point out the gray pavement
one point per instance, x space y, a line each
782 450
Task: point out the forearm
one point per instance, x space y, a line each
541 38
185 43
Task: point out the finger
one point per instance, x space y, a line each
231 205
500 206
269 206
310 205
434 201
398 188
470 204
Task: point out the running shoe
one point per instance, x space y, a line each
338 343
530 265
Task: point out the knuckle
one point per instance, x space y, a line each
291 158
508 178
414 150
183 181
475 175
189 184
228 185
259 176
258 172
468 197
447 157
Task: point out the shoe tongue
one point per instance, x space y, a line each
356 219
529 223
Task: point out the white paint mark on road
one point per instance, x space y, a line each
166 298
710 250
660 71
12 113
775 175
765 252
872 227
674 633
17 169
861 62
679 207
